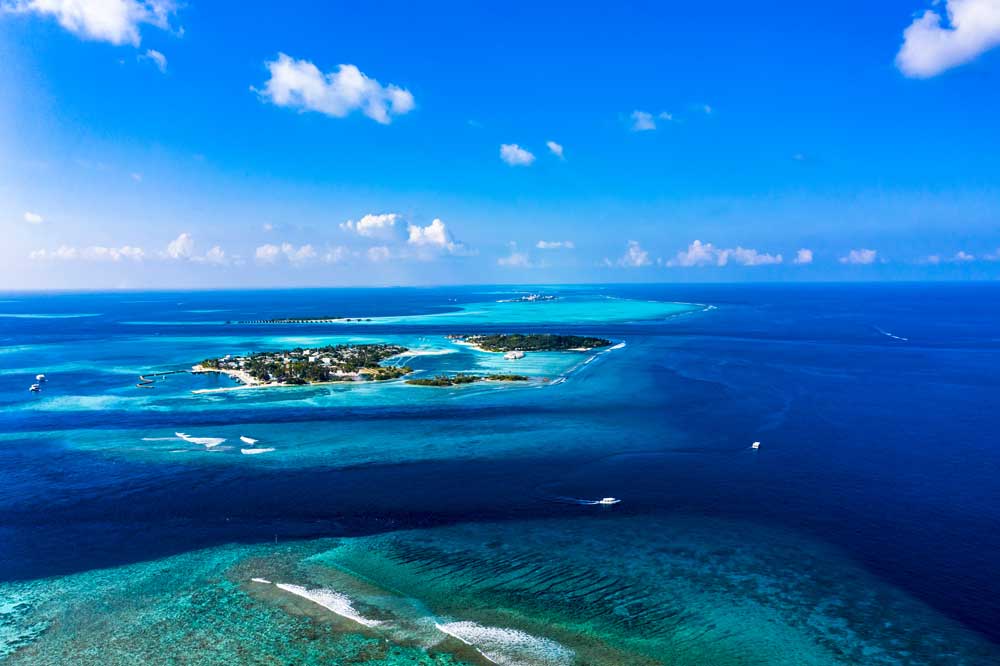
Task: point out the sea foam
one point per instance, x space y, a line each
509 647
331 600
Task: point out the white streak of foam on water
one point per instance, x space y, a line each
260 580
332 601
508 647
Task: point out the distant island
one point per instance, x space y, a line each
296 367
454 380
529 298
535 342
299 320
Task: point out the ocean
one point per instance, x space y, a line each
397 524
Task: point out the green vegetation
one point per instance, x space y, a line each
318 364
454 380
533 342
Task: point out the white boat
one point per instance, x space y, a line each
40 378
248 440
513 355
35 388
608 500
755 445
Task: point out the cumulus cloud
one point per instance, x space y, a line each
515 259
271 253
515 155
860 256
216 255
434 236
181 247
704 254
378 253
935 43
555 148
963 257
33 218
91 253
382 226
804 256
642 121
554 245
335 255
114 21
301 85
156 58
634 257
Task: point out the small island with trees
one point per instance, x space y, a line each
299 366
461 378
533 342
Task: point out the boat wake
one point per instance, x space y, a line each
207 442
890 335
254 452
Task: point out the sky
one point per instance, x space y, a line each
154 144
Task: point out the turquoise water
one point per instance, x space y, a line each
401 524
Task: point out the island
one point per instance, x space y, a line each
529 298
455 380
301 320
518 342
316 365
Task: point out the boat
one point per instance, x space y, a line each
608 500
248 440
35 388
755 445
40 378
513 355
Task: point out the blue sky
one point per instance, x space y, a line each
151 144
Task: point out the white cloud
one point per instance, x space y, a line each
642 121
181 247
374 226
137 177
861 256
697 254
703 254
515 259
634 257
555 245
707 109
555 148
435 235
33 218
747 257
216 255
378 253
804 256
156 58
271 253
664 115
515 155
115 21
91 253
301 85
930 48
335 255
963 257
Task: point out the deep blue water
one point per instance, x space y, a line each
885 447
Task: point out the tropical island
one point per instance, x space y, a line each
535 342
299 366
529 298
455 380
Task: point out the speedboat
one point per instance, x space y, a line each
248 440
755 445
35 388
39 378
608 500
